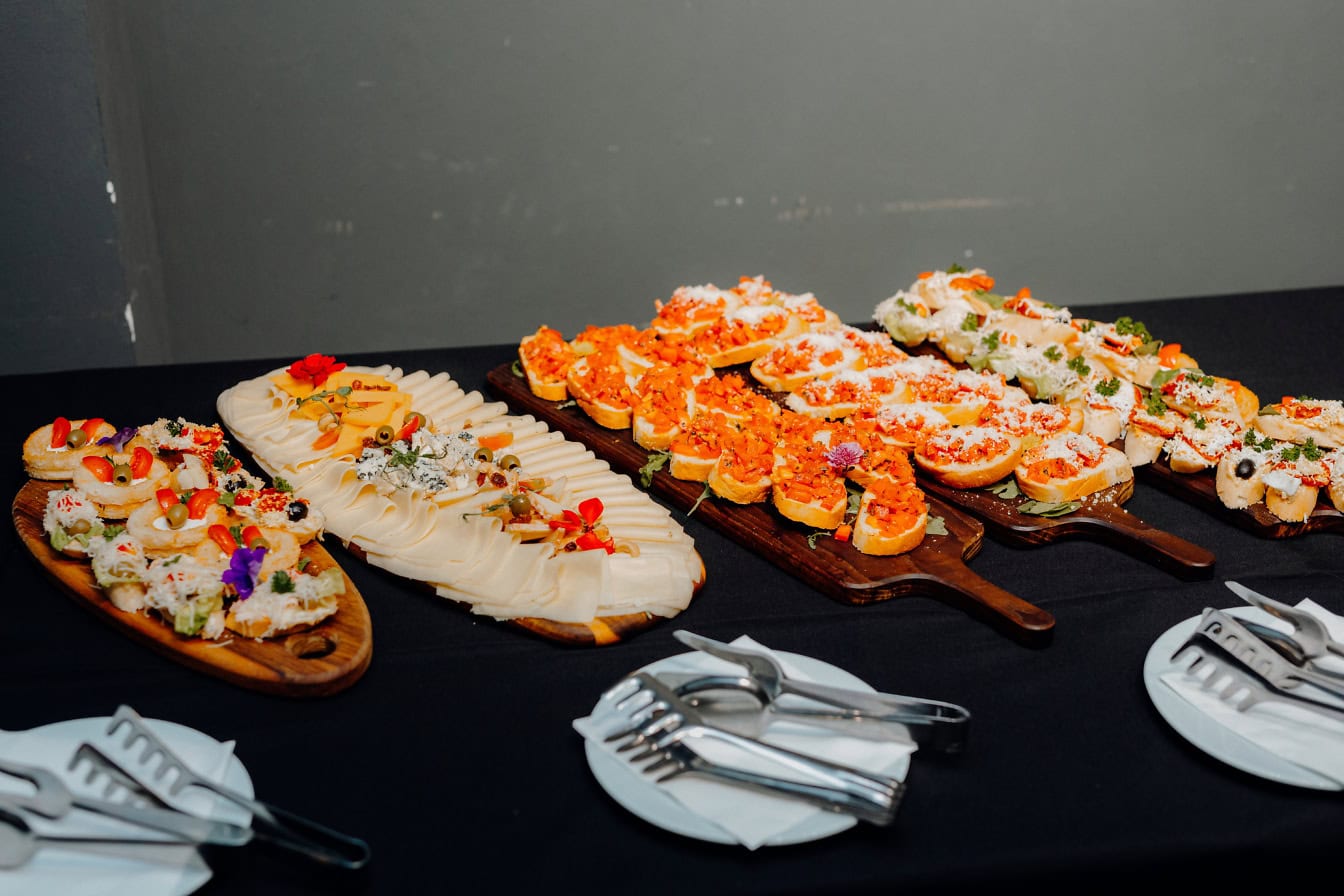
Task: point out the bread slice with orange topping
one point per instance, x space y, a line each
545 357
1299 419
892 519
1070 466
969 456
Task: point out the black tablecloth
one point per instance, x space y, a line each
454 755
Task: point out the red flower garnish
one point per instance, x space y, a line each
583 522
315 368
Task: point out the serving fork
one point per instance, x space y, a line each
662 736
1309 631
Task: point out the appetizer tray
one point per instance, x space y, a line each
1200 490
936 568
323 660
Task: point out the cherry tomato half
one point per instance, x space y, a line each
99 466
166 498
141 460
60 431
200 502
223 537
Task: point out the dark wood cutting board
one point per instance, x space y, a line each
324 660
935 569
1101 518
1201 490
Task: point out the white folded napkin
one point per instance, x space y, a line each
170 870
748 817
1304 738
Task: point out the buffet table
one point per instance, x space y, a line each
454 756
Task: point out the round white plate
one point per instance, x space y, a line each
643 798
1206 733
178 870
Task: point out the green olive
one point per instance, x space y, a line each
519 506
78 438
384 435
416 415
259 542
122 475
485 455
509 462
177 516
79 527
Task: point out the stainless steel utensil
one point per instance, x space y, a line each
160 771
931 724
1233 637
1219 673
661 730
19 842
1289 648
1309 631
53 799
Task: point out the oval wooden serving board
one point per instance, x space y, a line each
324 660
1100 518
935 569
1201 489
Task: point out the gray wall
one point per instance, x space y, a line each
345 176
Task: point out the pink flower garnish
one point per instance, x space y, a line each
844 455
316 368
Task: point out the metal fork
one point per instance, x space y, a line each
1261 658
270 823
1311 633
660 729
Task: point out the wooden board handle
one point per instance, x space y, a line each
1164 550
954 583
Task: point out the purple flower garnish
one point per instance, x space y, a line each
244 567
844 455
119 438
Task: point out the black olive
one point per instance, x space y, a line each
484 454
384 435
1245 469
296 511
78 438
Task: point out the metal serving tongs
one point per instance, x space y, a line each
270 823
930 724
53 799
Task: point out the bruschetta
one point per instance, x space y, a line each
892 518
1299 419
969 456
1070 466
545 357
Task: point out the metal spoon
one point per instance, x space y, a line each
19 843
1289 648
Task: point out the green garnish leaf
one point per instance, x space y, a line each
1052 352
993 300
907 307
1079 366
1150 347
1269 410
1291 453
657 460
174 428
956 269
517 369
703 495
1311 451
855 499
1128 326
1162 377
237 533
303 563
1199 421
111 532
991 341
1108 387
281 583
1154 405
222 461
1005 489
1048 508
282 485
936 525
566 404
1086 326
971 322
227 498
814 535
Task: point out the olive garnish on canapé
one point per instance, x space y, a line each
484 455
1245 469
384 435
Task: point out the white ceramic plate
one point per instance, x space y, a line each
174 871
1206 733
643 798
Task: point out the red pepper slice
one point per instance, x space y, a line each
90 426
60 431
141 460
99 466
200 502
166 498
251 534
221 536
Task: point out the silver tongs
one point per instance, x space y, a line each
160 772
930 724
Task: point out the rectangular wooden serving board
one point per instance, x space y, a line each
936 568
1201 490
